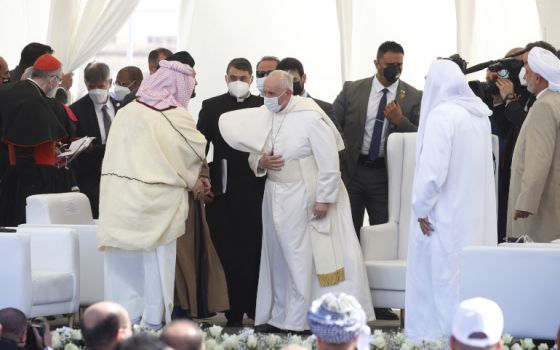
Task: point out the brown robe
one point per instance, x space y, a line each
200 282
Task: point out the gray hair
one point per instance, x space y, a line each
43 74
96 72
286 81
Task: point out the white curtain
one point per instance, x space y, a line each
78 29
22 22
185 19
489 29
548 14
345 17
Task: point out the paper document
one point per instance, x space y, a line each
77 146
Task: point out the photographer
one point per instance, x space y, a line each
510 103
15 332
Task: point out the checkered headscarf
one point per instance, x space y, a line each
338 319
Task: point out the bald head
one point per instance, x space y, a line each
294 347
4 71
104 324
183 335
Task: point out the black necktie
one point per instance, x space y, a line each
375 144
106 120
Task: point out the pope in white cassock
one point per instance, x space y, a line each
309 245
153 157
453 204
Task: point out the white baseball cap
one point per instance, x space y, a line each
478 322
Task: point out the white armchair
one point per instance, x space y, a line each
40 273
522 279
385 246
72 210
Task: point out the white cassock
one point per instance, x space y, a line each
454 188
290 255
151 161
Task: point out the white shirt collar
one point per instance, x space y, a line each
377 86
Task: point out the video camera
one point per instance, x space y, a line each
507 68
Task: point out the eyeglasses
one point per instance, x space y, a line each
263 73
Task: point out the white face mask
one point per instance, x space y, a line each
272 103
238 88
260 85
522 76
52 92
120 92
98 96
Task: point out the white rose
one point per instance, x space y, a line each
215 331
295 339
56 344
211 344
252 341
542 346
71 346
272 340
230 342
507 338
516 346
506 347
527 344
407 345
379 342
377 333
76 334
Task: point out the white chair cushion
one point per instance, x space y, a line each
386 274
51 287
59 208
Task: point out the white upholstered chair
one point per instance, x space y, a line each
522 279
72 210
385 246
39 271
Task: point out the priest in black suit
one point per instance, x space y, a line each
234 216
95 112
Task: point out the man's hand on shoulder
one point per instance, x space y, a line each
393 113
271 162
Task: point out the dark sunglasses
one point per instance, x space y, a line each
263 73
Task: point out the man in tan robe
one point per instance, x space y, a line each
534 195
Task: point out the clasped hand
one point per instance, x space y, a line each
271 162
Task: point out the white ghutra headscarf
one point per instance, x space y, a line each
446 83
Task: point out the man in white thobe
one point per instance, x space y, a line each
454 198
153 158
309 244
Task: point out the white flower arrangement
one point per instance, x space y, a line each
215 339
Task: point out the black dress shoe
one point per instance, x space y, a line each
385 314
306 332
267 328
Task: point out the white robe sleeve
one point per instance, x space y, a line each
254 164
433 163
323 144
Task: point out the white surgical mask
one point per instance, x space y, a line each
119 92
98 96
52 92
522 76
238 88
272 103
260 85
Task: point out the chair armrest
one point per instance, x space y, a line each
15 271
380 242
53 249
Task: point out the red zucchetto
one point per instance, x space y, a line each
47 63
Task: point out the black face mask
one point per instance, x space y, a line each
392 73
298 88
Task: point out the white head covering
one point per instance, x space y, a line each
547 65
446 83
339 318
478 323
